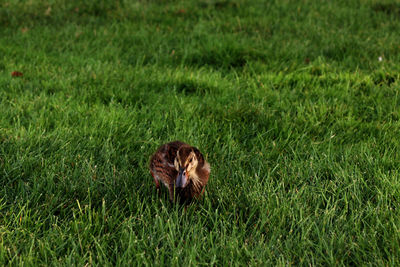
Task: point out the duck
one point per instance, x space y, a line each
182 169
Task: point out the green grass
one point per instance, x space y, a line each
288 100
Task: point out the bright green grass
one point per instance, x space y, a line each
287 100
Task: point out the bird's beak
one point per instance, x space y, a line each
182 180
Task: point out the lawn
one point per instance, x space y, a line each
295 104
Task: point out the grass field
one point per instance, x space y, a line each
295 104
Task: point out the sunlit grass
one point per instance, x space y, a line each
294 104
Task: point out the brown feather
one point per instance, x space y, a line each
162 168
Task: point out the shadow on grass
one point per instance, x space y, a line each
183 86
387 8
225 57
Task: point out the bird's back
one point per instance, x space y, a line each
162 162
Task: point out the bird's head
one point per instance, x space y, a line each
185 163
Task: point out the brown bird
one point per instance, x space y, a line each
181 168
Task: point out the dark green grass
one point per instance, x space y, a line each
288 100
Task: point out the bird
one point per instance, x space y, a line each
182 169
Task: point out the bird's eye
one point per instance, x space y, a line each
190 161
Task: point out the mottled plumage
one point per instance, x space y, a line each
181 168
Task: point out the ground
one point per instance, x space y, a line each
295 104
